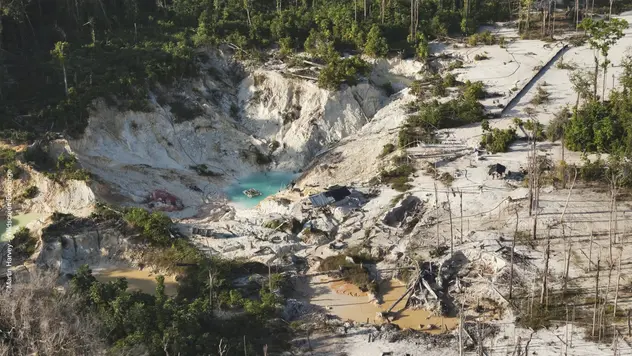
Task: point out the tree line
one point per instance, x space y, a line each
56 57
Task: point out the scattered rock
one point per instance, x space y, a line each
407 207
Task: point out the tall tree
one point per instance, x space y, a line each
603 35
60 53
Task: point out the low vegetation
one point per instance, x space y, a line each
24 243
541 96
420 126
481 56
349 271
398 178
485 38
387 149
203 170
30 192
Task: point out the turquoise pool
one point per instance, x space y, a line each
268 183
18 221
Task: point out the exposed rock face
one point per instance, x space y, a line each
89 243
287 120
405 208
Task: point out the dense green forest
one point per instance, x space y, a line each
56 57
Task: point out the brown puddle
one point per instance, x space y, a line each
348 302
144 281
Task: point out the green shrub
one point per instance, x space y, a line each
498 140
455 65
541 96
350 272
481 56
387 149
398 177
449 80
339 71
203 170
593 171
485 37
154 227
24 242
474 90
30 192
531 126
435 115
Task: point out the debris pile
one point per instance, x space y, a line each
252 192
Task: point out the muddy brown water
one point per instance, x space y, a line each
348 302
143 281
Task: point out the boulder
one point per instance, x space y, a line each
407 207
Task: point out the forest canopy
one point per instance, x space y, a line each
56 57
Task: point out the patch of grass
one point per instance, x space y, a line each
435 115
398 177
523 237
293 225
446 178
485 37
350 272
438 251
67 168
204 171
30 192
455 65
387 149
541 96
481 56
566 65
396 199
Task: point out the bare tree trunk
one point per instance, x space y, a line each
553 18
592 236
596 298
605 72
568 198
566 333
246 5
451 230
596 76
616 294
513 248
210 292
576 15
610 10
461 206
546 267
461 329
612 193
63 67
437 209
383 10
568 263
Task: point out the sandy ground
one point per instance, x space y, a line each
144 281
348 302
